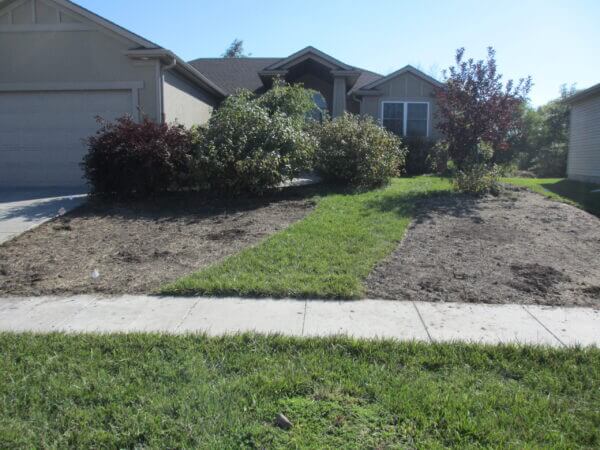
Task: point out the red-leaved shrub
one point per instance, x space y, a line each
130 158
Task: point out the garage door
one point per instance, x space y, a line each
41 133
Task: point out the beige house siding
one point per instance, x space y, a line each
403 88
584 142
61 47
185 102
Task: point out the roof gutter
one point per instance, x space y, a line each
173 61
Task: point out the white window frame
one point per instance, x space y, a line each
405 118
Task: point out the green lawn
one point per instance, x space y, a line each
327 254
152 391
568 191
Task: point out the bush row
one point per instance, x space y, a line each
250 145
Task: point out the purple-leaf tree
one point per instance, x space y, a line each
475 107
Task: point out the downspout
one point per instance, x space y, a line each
162 90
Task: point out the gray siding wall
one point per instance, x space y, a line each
61 47
184 102
584 141
403 88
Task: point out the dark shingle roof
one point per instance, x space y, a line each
237 73
234 73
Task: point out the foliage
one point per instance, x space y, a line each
235 50
138 391
326 255
551 160
476 179
293 100
474 106
438 158
356 151
543 145
418 160
126 157
247 149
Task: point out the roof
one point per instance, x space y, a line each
232 74
405 69
584 94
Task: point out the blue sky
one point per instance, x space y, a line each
555 42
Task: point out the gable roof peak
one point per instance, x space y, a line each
303 53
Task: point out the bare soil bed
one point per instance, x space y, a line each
136 246
518 247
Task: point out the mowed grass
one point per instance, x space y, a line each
569 191
158 391
327 254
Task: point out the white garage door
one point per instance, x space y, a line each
41 133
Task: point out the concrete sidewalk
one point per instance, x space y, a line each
433 322
23 209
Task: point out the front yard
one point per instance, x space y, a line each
151 391
414 239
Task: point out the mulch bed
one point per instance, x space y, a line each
518 247
136 246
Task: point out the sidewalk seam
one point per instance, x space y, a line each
423 322
544 326
304 316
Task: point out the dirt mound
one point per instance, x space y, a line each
139 245
519 247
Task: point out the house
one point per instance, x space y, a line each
583 162
63 65
402 101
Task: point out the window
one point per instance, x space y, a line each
406 118
321 107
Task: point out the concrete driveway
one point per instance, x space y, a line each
23 209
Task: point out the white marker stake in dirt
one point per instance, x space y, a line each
95 274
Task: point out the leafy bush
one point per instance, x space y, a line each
246 148
418 159
293 100
477 175
477 179
356 151
126 157
439 159
551 160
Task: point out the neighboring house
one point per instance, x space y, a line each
583 162
402 101
62 65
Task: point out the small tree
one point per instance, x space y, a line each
475 108
235 50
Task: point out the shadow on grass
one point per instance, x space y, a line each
578 192
422 205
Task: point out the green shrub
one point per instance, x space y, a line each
551 161
439 159
245 148
477 179
129 158
293 100
418 159
477 175
356 151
